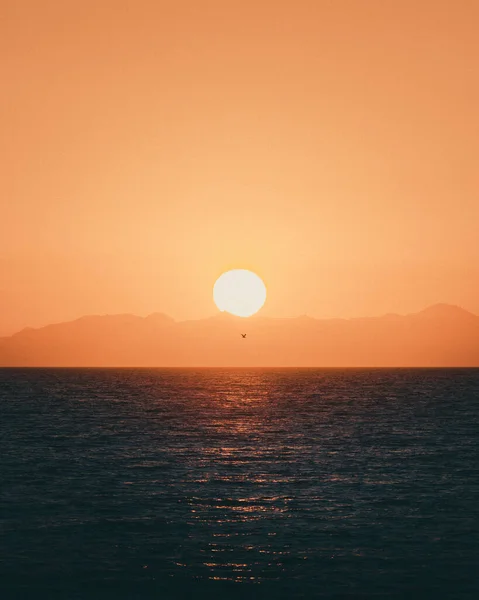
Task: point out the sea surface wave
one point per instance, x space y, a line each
246 483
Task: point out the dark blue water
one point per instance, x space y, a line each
163 484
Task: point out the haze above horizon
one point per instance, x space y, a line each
438 336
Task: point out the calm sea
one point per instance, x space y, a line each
138 484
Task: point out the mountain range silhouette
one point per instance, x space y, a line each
439 336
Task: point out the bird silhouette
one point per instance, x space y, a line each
243 335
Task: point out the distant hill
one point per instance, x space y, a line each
441 335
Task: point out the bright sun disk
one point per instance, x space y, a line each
239 292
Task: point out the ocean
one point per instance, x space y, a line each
239 483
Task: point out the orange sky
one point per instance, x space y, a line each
146 146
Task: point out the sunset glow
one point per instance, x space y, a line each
148 147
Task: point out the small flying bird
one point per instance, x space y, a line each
243 335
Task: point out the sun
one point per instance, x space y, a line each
239 292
